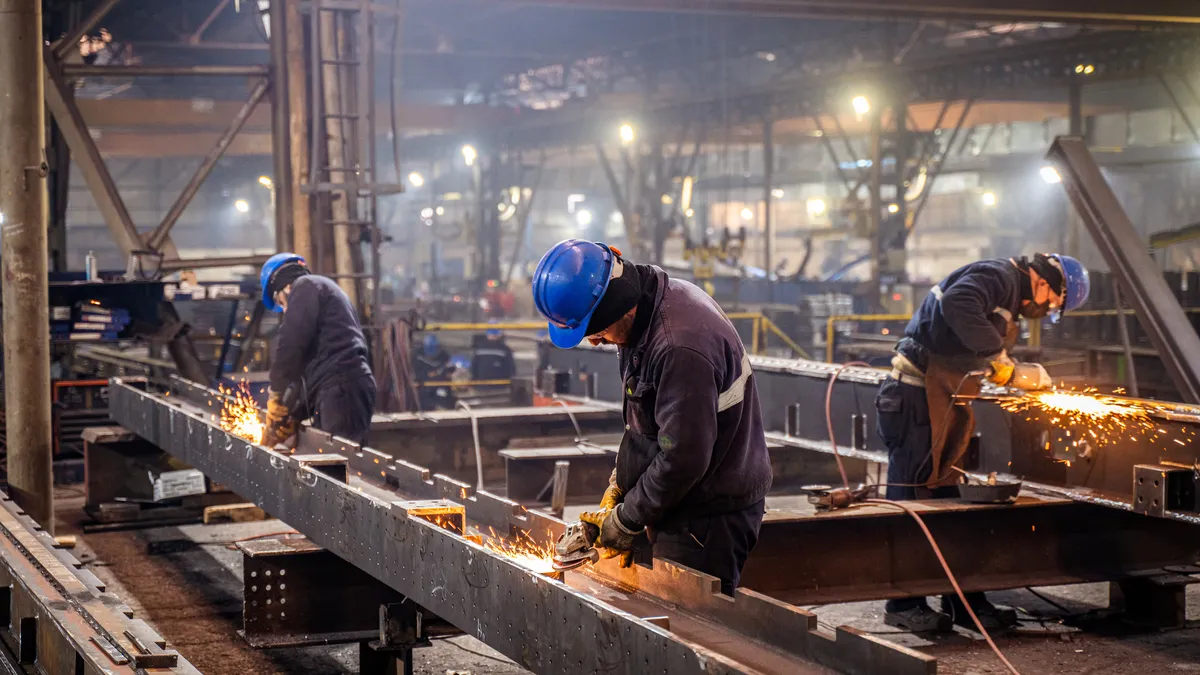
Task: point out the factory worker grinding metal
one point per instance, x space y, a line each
320 367
692 471
963 329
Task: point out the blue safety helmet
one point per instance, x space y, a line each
1076 283
269 269
431 345
493 332
568 284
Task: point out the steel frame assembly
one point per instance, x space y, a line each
57 618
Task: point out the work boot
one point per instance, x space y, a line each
919 619
993 617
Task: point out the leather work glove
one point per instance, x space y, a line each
280 424
616 539
613 495
1002 368
1030 377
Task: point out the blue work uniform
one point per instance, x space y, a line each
964 322
321 349
693 462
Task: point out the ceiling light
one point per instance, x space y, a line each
861 105
747 214
583 217
469 154
815 206
1050 175
242 206
626 134
416 179
989 198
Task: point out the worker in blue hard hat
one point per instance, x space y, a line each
692 471
491 357
965 327
432 365
320 368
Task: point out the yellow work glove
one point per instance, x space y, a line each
1002 368
613 495
280 424
615 539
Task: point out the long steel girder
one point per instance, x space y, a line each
1123 248
1010 443
587 625
1087 11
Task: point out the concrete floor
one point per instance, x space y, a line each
193 598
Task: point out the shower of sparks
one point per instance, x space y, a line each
523 550
1096 419
240 415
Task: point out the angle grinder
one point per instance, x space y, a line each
575 547
829 498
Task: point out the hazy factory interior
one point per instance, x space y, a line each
715 337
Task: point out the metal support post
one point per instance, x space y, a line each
280 126
768 150
332 51
1074 128
875 198
297 89
160 233
26 293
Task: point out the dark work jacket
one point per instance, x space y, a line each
681 457
320 340
968 324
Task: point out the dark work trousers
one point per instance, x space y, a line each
902 412
716 545
344 408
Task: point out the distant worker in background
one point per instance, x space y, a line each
432 364
320 367
491 357
692 469
963 329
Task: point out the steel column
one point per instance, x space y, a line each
298 121
768 188
160 233
280 126
26 293
1123 248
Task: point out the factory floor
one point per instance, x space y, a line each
193 598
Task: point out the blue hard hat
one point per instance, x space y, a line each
269 269
568 284
431 345
1077 284
493 332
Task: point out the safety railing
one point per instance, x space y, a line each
832 322
761 328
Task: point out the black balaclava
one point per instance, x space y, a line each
285 275
1047 270
622 295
